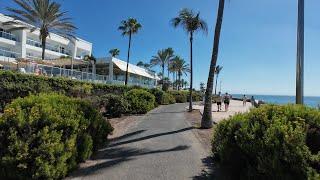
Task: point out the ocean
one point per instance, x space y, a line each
308 100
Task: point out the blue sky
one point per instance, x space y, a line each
258 41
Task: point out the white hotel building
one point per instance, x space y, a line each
25 44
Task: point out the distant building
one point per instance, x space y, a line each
115 70
25 44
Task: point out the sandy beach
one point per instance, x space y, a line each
235 107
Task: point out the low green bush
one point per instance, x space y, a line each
46 136
113 105
14 85
271 142
140 101
161 97
180 96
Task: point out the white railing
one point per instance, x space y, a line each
7 53
7 35
48 46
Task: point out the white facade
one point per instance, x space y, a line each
116 69
25 44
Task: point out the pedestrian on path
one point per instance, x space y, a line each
226 101
244 99
219 102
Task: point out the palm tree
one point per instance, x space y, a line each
206 121
217 72
114 52
128 28
90 59
161 59
300 53
191 23
46 16
181 68
170 54
144 65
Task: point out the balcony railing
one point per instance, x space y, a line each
7 53
8 36
48 46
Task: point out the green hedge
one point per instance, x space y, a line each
271 142
46 136
14 85
140 101
161 97
113 105
183 96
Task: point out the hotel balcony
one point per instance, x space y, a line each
49 47
8 36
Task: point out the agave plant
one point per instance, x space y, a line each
45 16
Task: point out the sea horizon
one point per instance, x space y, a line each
312 101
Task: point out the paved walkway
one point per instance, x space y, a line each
161 146
235 107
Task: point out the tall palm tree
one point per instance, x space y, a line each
90 59
170 54
191 23
161 59
206 121
217 72
181 67
46 16
129 27
114 52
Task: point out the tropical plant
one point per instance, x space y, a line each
114 52
206 121
144 65
191 23
217 72
181 68
170 54
128 28
46 16
161 59
90 59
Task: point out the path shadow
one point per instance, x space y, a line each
173 112
126 135
114 156
149 137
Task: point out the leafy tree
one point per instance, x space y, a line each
129 27
181 67
191 23
114 52
44 15
206 121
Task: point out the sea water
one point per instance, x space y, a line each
312 101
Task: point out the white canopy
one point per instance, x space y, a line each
133 69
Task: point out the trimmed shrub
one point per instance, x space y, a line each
45 136
271 142
180 96
114 105
140 101
14 85
161 97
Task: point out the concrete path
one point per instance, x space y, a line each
235 107
161 146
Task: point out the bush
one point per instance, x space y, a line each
140 101
180 96
161 97
271 142
14 85
114 105
45 136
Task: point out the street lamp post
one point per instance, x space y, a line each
300 53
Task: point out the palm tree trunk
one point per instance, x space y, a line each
43 44
128 60
191 73
179 74
216 85
206 121
168 69
163 76
300 53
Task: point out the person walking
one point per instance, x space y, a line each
252 101
226 101
219 102
244 99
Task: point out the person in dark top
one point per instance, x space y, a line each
226 101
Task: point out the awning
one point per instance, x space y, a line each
133 69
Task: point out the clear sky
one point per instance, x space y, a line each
258 41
